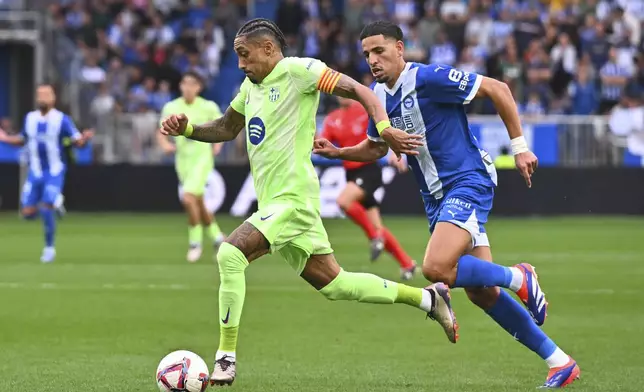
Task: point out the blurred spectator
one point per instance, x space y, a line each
103 103
613 80
141 95
443 52
467 62
158 32
429 26
597 45
290 17
538 70
528 26
375 10
626 27
353 10
144 128
583 93
564 61
512 68
227 16
454 10
91 72
480 27
117 78
502 28
404 13
534 106
162 96
414 49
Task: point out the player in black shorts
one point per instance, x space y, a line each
346 127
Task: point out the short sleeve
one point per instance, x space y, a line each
68 128
310 75
239 102
446 84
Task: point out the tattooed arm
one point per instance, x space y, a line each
222 129
349 88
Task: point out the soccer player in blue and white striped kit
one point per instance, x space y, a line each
43 133
456 180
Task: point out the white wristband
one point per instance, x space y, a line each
519 145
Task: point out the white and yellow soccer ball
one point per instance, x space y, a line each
182 371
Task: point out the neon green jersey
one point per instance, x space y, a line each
280 127
198 112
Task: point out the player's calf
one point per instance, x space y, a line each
29 213
483 297
323 273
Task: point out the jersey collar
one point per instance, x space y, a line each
399 82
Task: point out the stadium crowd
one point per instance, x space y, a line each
559 56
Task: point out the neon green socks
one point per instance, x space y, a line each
368 288
195 235
232 290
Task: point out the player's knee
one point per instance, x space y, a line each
483 297
343 202
338 290
230 260
189 198
439 270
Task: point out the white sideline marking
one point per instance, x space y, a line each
174 287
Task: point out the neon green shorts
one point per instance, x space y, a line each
193 175
296 232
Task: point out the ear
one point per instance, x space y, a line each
400 48
269 47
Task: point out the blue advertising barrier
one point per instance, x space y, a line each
542 139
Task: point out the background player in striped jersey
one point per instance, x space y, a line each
456 180
345 127
193 163
277 104
44 132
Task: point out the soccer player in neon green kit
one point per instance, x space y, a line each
277 104
194 161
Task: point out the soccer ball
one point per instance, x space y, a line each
182 371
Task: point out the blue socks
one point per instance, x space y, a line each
474 272
49 222
515 319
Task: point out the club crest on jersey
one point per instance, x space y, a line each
408 102
273 94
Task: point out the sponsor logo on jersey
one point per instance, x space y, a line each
256 131
405 122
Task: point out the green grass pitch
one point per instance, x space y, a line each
120 297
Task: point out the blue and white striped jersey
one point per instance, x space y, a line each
44 141
428 100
